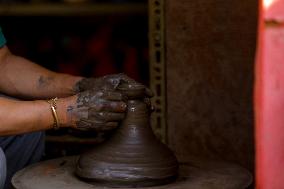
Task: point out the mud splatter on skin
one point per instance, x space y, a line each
44 81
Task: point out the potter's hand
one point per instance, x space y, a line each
99 110
108 82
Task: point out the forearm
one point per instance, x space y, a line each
19 117
22 78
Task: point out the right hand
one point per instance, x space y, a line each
98 110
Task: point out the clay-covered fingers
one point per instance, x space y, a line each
97 125
149 104
106 116
114 96
129 80
110 106
124 79
104 126
115 80
149 93
110 126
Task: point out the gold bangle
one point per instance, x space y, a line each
53 108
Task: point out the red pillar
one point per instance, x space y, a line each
269 98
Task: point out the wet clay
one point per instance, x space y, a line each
132 157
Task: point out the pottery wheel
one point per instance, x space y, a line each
59 173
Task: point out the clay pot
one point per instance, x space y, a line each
133 156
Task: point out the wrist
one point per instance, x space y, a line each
76 84
67 84
83 84
64 106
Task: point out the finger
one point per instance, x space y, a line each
106 126
149 92
109 85
109 116
130 83
106 116
101 125
119 107
110 106
127 82
147 102
113 80
114 96
110 126
90 124
125 78
83 124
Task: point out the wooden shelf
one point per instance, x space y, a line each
71 9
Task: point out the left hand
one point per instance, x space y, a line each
108 82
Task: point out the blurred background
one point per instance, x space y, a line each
91 38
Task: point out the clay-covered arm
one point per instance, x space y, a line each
22 78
